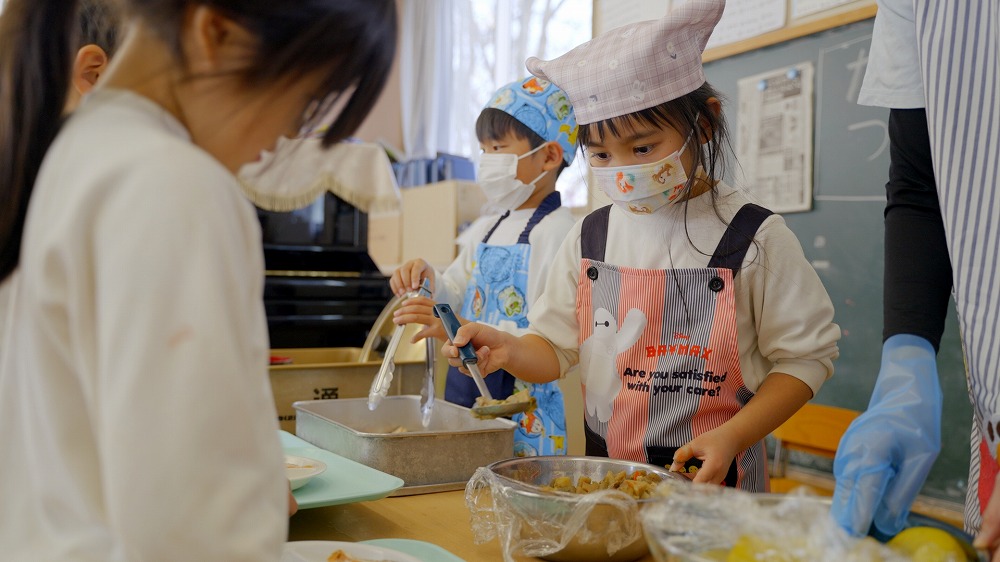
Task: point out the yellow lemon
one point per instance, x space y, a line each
927 544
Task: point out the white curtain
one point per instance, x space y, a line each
457 53
425 71
495 37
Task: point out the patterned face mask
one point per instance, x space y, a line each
644 188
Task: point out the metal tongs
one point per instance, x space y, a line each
468 355
427 390
382 381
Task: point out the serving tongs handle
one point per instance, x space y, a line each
467 353
380 385
428 389
382 380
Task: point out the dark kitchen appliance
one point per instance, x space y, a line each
322 289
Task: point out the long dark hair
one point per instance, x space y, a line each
351 41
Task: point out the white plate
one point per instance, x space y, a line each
319 551
300 470
344 481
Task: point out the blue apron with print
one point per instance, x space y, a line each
498 293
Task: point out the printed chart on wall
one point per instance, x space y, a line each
807 7
609 14
742 19
775 136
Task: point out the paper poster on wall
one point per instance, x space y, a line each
743 19
775 137
806 7
609 14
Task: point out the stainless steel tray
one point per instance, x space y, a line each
339 372
442 456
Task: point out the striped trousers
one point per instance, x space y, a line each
959 46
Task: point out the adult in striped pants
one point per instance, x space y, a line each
949 50
959 46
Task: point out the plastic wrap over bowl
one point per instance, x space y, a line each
506 502
701 523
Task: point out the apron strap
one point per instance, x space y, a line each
595 444
594 234
738 237
551 202
486 238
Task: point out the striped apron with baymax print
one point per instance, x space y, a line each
659 359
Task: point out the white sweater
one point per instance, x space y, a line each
136 419
784 315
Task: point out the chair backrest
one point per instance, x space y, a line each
814 429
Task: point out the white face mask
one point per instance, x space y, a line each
497 177
644 188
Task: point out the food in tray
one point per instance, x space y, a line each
341 556
640 484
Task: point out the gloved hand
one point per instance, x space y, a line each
885 455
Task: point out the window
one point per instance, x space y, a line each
497 37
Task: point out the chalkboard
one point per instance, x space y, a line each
843 234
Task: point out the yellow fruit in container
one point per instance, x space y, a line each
753 549
928 544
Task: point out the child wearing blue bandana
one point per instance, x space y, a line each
527 134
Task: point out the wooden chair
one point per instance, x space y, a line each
815 429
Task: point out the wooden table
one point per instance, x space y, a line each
439 518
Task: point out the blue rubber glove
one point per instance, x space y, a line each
885 455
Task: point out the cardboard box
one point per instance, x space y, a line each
433 214
385 236
329 373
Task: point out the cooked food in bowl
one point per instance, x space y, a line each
513 501
639 484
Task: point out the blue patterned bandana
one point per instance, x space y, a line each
541 107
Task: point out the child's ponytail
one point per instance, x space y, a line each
36 39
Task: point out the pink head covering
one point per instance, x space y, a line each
636 66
